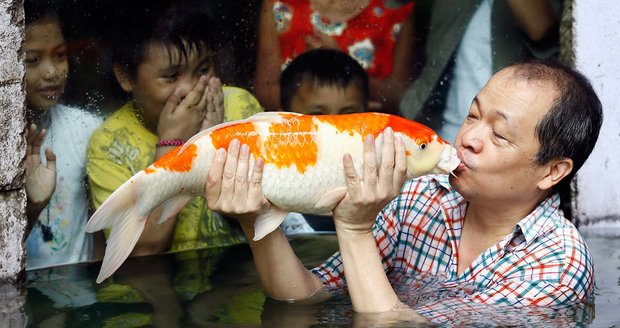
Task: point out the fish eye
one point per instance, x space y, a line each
422 146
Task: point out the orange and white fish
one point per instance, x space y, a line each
303 170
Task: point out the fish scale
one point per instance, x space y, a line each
303 170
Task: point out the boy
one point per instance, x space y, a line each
321 81
163 58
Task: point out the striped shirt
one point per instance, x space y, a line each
543 262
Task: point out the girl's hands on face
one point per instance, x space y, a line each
368 194
228 190
40 180
182 117
215 104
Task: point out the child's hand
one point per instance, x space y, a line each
215 104
40 180
181 118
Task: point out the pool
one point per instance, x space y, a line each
220 288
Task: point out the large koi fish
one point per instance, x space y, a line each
303 170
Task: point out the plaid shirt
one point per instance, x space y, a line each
543 262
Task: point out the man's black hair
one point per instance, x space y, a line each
571 127
184 25
324 67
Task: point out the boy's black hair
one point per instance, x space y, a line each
324 67
184 25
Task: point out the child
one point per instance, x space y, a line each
163 58
377 35
57 206
321 81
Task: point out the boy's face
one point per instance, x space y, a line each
163 71
46 63
314 99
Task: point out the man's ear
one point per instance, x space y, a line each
556 171
123 78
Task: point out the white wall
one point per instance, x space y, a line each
597 50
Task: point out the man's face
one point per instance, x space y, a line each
497 142
314 99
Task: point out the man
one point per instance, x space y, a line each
494 226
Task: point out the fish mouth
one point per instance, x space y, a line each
449 159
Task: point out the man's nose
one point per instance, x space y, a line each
471 137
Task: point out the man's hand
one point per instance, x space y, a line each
228 189
40 179
369 193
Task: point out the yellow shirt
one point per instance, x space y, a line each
122 147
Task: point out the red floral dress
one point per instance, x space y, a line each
369 37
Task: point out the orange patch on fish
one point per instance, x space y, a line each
244 132
291 142
176 161
362 123
416 131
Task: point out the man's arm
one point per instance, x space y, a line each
228 191
368 285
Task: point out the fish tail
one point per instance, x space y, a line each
119 211
126 213
124 236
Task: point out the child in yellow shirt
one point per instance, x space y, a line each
163 58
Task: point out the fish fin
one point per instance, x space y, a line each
258 117
120 204
330 199
122 239
268 222
173 206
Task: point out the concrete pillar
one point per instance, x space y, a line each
12 151
597 49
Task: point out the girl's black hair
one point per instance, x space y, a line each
37 9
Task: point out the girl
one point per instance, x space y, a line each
57 206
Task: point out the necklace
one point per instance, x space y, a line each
46 229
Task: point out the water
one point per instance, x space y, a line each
220 288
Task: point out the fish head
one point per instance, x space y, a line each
427 153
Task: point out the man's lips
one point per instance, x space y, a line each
463 163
